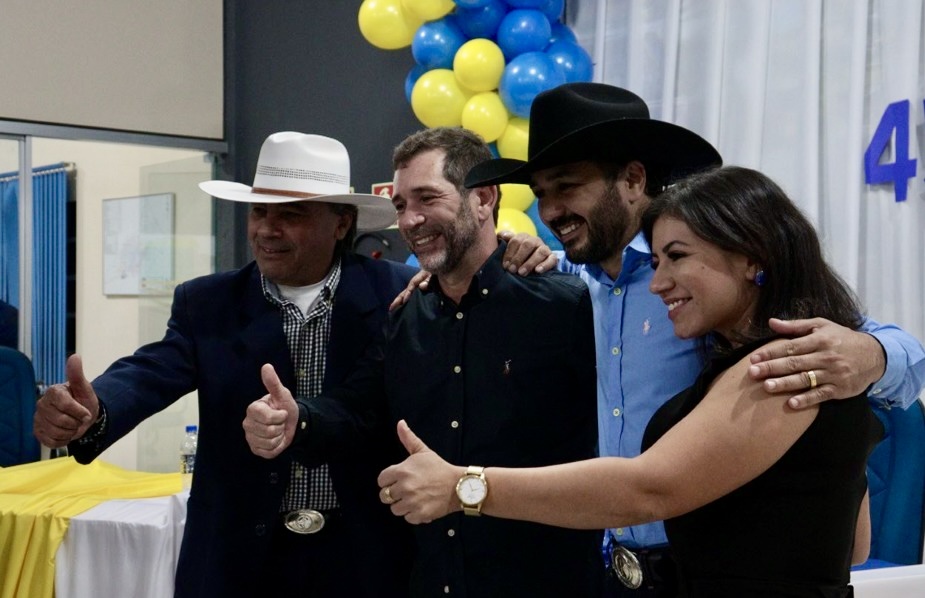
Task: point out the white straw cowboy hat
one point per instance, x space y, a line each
299 167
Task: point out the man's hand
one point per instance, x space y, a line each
526 253
66 411
843 362
419 280
269 426
420 488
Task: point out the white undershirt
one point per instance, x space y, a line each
303 297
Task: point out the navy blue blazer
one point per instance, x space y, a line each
221 331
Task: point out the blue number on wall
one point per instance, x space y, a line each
895 118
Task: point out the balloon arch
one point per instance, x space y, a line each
479 64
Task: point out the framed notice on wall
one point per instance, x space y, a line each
138 245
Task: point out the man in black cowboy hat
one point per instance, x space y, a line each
595 161
308 306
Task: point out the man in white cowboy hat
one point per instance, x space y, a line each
309 307
595 161
489 367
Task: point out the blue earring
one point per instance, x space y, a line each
760 278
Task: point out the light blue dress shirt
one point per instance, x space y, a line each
641 363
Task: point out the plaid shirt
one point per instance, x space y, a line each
308 337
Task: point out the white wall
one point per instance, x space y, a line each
109 327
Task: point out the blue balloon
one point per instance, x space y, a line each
493 147
481 21
561 31
526 3
435 44
523 31
575 61
526 76
553 9
412 260
471 3
542 231
412 77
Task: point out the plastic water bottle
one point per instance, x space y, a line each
188 454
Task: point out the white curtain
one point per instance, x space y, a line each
796 89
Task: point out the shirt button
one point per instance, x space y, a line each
451 532
459 315
617 412
615 350
484 291
300 373
454 424
617 291
876 391
457 369
619 531
446 589
260 530
274 477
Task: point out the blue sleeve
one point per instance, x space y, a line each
904 377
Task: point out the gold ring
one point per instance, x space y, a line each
812 379
388 495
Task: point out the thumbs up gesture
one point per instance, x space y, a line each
270 423
66 411
422 487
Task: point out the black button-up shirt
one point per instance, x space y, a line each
505 378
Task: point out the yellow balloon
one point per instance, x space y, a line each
386 25
479 64
428 10
515 221
513 142
437 99
516 197
486 115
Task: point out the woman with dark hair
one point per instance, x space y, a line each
758 499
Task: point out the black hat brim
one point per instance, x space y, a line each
673 150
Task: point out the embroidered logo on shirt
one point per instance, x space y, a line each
646 326
506 370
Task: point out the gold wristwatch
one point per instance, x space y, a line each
472 490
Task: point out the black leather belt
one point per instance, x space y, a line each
308 521
641 567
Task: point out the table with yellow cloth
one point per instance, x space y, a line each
37 502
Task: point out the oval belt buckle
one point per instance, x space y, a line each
626 566
304 521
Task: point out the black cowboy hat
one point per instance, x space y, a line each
594 121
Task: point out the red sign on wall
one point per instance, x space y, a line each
383 189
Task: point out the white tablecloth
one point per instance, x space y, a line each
122 548
130 548
890 582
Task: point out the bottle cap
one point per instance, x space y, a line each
191 429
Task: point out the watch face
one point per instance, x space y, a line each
472 490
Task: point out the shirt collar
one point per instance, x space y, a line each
636 254
484 280
271 291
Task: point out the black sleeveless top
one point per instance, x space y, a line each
790 531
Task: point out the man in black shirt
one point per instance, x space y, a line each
487 367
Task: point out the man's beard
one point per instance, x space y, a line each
458 237
606 224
